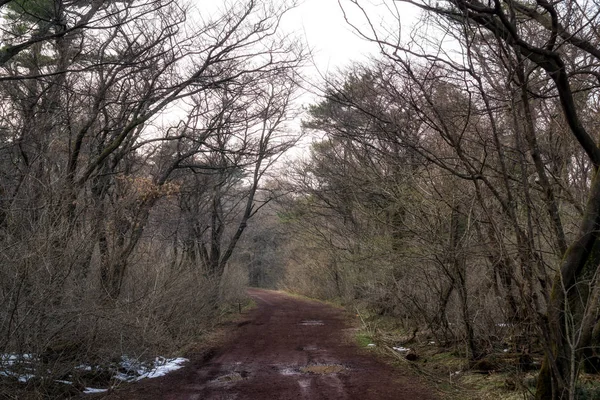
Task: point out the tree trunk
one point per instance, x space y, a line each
567 303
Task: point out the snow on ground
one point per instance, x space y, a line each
23 378
20 362
89 390
164 368
11 359
129 369
135 371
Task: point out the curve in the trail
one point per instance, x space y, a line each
287 349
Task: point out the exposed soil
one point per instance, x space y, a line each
287 348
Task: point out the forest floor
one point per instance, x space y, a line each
285 348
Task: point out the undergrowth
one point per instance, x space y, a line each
448 370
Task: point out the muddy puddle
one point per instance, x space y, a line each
231 377
320 369
312 322
324 369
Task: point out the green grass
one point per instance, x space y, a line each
363 339
232 310
588 389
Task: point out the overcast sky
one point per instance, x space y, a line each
322 24
333 41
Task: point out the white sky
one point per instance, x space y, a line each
334 43
321 23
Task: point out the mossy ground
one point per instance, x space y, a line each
363 339
448 370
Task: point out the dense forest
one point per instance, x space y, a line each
134 137
451 183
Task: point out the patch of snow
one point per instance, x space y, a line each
23 378
431 342
89 390
12 359
163 366
129 369
21 361
401 349
288 371
123 377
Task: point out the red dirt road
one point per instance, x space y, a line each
287 349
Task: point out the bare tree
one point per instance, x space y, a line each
112 113
531 37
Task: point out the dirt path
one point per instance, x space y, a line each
287 349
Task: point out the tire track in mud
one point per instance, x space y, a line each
288 349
